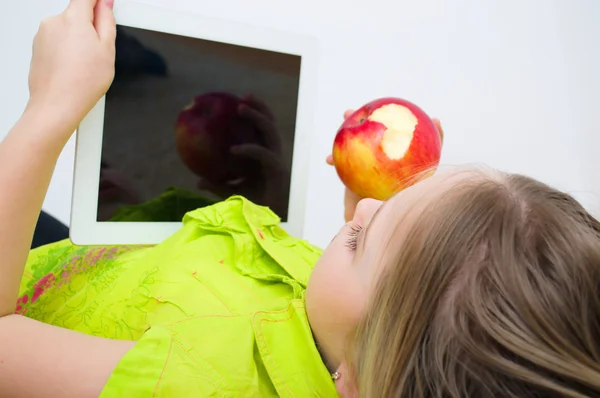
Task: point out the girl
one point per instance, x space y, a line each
469 283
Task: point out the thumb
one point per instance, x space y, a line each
268 159
222 191
438 125
104 21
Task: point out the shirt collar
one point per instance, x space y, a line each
290 355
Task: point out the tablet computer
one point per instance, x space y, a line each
200 110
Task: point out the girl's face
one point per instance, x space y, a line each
345 274
336 292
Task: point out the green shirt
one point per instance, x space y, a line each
216 310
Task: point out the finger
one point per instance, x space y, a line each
268 159
438 124
83 8
104 21
265 126
259 105
222 191
351 200
348 113
329 160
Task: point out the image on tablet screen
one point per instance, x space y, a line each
190 122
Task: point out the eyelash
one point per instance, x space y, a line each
353 234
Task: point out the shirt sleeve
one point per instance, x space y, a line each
139 372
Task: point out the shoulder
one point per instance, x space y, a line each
256 229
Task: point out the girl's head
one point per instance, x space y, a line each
470 283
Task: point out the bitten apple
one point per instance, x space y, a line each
386 146
205 132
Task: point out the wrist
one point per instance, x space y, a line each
43 130
51 121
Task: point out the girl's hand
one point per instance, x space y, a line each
273 186
350 198
73 61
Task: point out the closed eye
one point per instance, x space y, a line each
353 234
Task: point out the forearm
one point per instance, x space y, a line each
28 157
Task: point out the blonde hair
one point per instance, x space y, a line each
495 291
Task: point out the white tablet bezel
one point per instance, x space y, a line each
84 228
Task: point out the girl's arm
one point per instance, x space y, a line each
39 360
72 67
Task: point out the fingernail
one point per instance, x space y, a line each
110 3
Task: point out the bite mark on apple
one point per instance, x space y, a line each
400 123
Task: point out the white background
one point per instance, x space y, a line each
515 82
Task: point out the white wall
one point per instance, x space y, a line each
514 81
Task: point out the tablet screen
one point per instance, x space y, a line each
190 122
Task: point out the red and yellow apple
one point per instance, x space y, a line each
205 132
386 146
